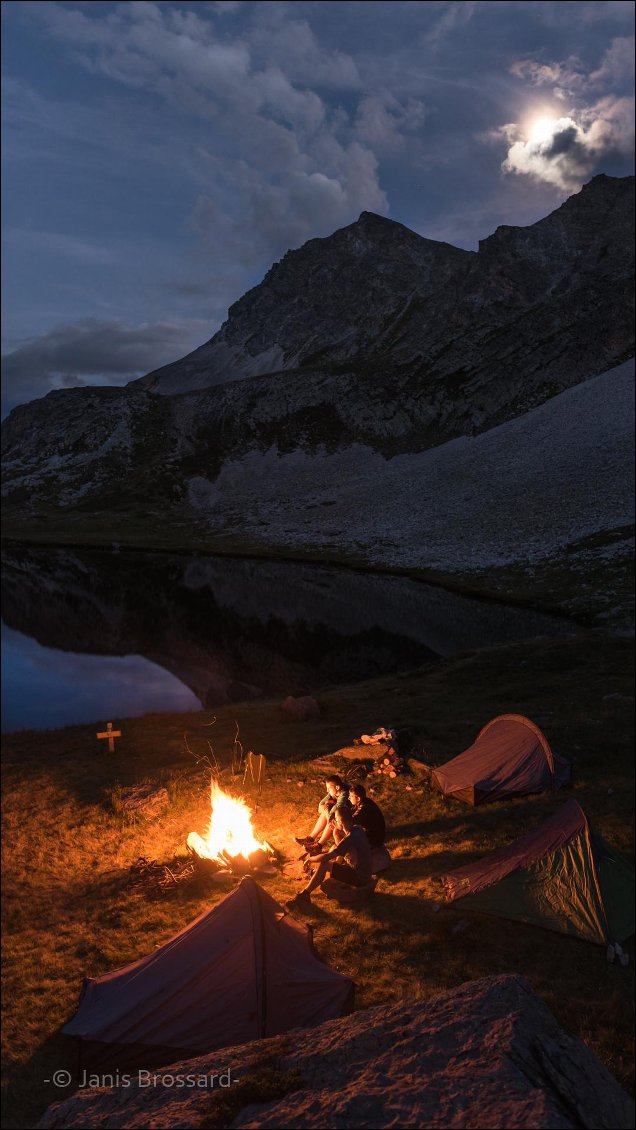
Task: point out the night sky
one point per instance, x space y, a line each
158 157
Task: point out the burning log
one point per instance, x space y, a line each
239 864
230 843
258 859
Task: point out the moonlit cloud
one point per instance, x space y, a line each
290 171
280 37
558 158
617 64
447 18
563 78
572 151
385 123
594 129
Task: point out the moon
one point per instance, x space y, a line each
542 130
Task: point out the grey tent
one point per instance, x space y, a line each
241 971
510 756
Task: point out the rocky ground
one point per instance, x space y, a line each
488 1053
518 493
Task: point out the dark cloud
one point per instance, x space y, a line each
293 165
94 352
563 140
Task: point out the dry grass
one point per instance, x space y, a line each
68 911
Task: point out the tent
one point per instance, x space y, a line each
561 876
509 756
241 971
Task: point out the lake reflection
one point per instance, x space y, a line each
96 635
43 687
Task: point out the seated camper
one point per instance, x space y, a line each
355 871
335 803
368 814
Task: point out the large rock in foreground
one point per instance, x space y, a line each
489 1053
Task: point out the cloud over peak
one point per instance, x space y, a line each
95 352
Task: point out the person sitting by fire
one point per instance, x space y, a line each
355 871
334 804
368 814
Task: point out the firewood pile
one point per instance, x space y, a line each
391 764
383 743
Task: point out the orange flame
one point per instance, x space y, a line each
230 833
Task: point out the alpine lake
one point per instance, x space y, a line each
101 634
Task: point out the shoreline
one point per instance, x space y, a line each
456 583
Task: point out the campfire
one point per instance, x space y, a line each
229 843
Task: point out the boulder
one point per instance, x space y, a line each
488 1053
362 752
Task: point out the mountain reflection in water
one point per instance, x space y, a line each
192 631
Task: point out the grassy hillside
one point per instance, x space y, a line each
69 910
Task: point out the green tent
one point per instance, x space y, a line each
562 876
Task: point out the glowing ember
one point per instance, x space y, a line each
230 833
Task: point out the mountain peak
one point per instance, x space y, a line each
375 287
604 179
373 218
371 223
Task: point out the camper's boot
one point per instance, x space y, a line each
301 901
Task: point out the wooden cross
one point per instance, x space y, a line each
111 735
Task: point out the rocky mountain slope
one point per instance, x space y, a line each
326 302
379 296
386 350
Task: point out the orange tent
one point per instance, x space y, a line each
509 756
